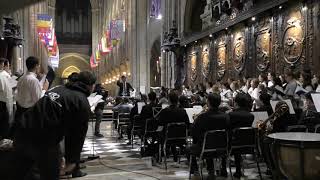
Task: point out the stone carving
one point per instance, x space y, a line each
221 59
238 51
293 39
263 45
193 64
205 63
206 17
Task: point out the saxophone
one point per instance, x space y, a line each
281 109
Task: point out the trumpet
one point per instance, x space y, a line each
281 109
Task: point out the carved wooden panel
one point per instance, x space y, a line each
293 38
238 51
205 69
221 57
193 67
263 45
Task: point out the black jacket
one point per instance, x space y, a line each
210 120
240 118
63 111
173 114
127 90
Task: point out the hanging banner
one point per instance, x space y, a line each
155 9
92 62
47 36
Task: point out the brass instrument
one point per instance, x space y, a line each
280 109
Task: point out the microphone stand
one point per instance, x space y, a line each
93 156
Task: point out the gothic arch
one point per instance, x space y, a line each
72 62
155 71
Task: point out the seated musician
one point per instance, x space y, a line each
172 114
277 122
213 119
309 116
147 110
124 107
240 117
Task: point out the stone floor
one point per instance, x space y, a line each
119 161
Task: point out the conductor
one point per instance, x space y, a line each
125 87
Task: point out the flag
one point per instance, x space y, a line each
92 62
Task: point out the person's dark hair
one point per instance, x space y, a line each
152 96
173 98
214 100
6 62
163 94
2 60
242 100
32 62
73 77
289 73
264 77
306 79
277 81
87 78
308 96
187 87
183 101
227 85
125 100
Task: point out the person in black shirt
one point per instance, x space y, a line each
213 119
240 117
63 112
172 114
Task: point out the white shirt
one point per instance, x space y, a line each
6 91
256 98
270 84
209 90
29 90
318 88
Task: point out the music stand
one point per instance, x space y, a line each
93 156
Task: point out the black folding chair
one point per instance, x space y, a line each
297 128
244 141
176 134
215 145
137 129
150 137
123 122
114 124
156 111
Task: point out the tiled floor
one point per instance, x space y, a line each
119 161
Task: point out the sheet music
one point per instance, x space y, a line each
198 107
191 112
94 100
140 105
288 101
164 106
258 116
316 100
300 90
